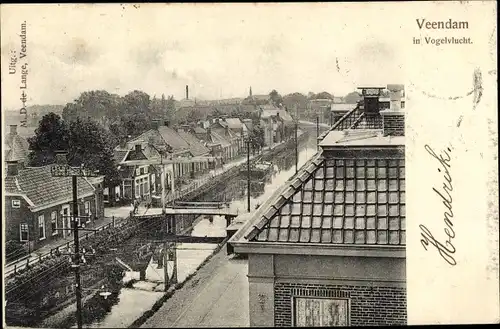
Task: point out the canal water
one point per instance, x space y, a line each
120 307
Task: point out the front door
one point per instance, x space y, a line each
66 221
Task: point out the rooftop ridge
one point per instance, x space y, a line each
289 185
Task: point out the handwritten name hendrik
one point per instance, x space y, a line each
446 250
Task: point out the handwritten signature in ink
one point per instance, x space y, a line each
447 249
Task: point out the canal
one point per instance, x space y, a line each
124 297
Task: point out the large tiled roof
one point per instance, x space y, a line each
163 135
271 111
340 201
218 139
16 148
42 188
195 146
234 123
172 138
119 155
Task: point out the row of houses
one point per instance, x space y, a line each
38 205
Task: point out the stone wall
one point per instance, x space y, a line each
369 306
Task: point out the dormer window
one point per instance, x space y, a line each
16 203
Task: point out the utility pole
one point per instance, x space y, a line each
296 147
76 264
317 132
248 175
61 169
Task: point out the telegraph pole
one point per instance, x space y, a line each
248 175
296 147
76 265
61 169
317 132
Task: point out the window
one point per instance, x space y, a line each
41 227
24 232
321 312
87 210
153 185
105 194
53 222
16 203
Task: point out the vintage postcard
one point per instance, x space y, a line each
253 164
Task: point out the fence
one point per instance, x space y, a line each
18 265
15 266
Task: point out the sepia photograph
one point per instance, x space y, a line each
230 165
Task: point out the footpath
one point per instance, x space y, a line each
216 296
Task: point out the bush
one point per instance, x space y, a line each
14 250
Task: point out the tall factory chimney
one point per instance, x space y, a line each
187 92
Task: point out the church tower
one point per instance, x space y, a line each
250 94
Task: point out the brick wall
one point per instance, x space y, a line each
394 125
370 306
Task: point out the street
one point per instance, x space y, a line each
217 296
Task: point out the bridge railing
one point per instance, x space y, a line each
16 266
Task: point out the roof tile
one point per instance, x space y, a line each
349 201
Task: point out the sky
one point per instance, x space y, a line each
218 50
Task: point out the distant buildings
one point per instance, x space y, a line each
38 205
277 124
328 249
163 141
16 147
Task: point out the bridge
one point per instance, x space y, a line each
160 213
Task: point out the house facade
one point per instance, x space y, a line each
38 206
328 248
161 142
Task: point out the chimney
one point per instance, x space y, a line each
166 123
138 148
12 168
61 157
371 99
393 119
13 129
396 94
187 92
155 124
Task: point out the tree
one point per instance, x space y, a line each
323 95
91 145
136 102
50 136
276 98
352 98
295 100
85 140
256 136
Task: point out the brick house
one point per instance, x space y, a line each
36 203
137 182
328 248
